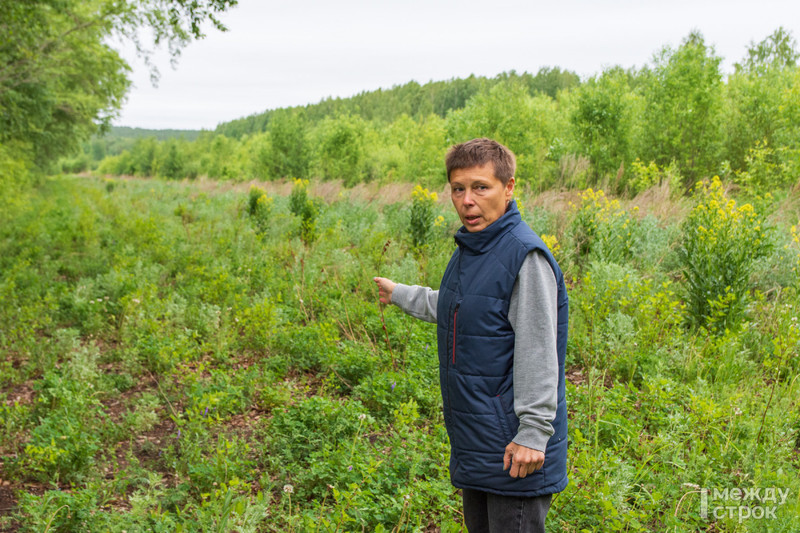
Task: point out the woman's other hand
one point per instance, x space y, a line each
385 289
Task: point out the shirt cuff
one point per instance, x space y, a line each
533 437
401 295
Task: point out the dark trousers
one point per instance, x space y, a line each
491 513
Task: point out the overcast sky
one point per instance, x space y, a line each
279 54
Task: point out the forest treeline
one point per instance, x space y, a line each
412 99
677 119
381 106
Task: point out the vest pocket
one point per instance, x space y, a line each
501 419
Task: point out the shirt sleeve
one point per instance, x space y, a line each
419 302
533 314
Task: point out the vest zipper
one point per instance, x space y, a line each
455 323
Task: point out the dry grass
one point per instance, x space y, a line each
381 194
573 169
660 202
328 190
787 210
556 201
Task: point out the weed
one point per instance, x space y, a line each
601 229
422 217
259 207
306 209
720 245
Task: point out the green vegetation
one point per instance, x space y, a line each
422 217
189 356
678 120
60 80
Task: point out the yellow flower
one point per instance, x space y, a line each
420 193
551 241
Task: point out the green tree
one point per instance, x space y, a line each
341 148
777 51
761 113
683 109
454 94
143 155
171 160
289 150
602 121
221 161
59 78
526 124
424 151
258 156
548 80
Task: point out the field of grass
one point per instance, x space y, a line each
177 356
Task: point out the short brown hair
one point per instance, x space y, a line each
479 152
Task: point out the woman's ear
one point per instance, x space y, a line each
510 188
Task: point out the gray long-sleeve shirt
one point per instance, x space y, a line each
533 314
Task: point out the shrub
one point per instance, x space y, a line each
306 209
720 245
259 207
646 176
64 443
764 169
601 228
314 423
422 219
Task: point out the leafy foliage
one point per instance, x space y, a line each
624 131
175 362
422 216
602 229
304 207
528 125
287 134
59 78
721 242
602 118
683 106
777 51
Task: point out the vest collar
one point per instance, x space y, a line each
482 241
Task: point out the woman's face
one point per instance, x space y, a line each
478 196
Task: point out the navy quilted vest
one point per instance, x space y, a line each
476 353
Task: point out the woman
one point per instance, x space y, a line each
501 314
